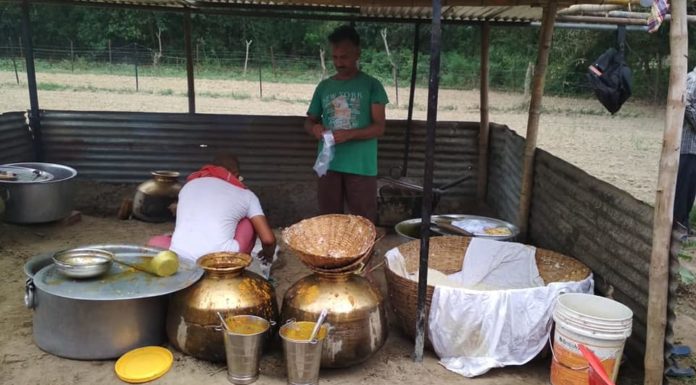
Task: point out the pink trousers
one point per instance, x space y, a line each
244 235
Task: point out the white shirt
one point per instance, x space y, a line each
207 215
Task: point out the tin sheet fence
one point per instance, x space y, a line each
15 138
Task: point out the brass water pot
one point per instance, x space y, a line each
226 287
153 197
357 315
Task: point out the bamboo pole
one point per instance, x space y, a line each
484 130
545 36
664 200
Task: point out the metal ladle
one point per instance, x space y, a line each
317 326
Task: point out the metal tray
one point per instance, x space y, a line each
120 282
406 228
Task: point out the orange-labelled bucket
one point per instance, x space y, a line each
600 324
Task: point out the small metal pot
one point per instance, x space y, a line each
34 200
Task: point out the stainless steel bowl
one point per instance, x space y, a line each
83 263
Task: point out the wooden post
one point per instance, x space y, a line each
323 63
14 62
528 80
664 200
395 74
273 63
545 35
72 56
246 58
260 83
110 63
484 130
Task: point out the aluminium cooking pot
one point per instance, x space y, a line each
102 317
34 198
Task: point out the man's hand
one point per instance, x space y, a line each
265 257
342 136
318 130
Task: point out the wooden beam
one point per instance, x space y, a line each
484 130
545 36
658 288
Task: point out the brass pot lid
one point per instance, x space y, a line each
120 282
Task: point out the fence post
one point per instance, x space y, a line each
21 50
14 62
273 63
110 63
260 83
72 56
135 64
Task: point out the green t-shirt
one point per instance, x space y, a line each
346 104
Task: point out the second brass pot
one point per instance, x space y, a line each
357 315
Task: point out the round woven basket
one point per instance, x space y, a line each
446 254
331 241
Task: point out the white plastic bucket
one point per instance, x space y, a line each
599 323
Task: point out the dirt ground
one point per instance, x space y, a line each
23 363
622 149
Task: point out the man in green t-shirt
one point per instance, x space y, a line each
351 105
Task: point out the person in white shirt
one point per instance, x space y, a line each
216 212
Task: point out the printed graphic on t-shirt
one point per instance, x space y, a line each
342 109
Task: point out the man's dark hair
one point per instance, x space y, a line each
226 160
343 33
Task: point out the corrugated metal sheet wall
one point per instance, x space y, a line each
505 172
125 147
276 155
604 227
579 215
15 138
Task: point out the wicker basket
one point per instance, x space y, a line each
446 254
331 241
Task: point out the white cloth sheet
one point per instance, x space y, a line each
503 314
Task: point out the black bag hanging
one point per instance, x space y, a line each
610 77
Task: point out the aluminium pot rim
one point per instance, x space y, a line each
72 171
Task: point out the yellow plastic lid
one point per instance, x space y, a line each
144 364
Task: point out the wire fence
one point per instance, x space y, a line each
565 76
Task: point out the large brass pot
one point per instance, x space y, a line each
192 322
357 315
153 197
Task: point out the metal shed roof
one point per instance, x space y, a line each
505 11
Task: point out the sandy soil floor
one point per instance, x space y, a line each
23 363
623 149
